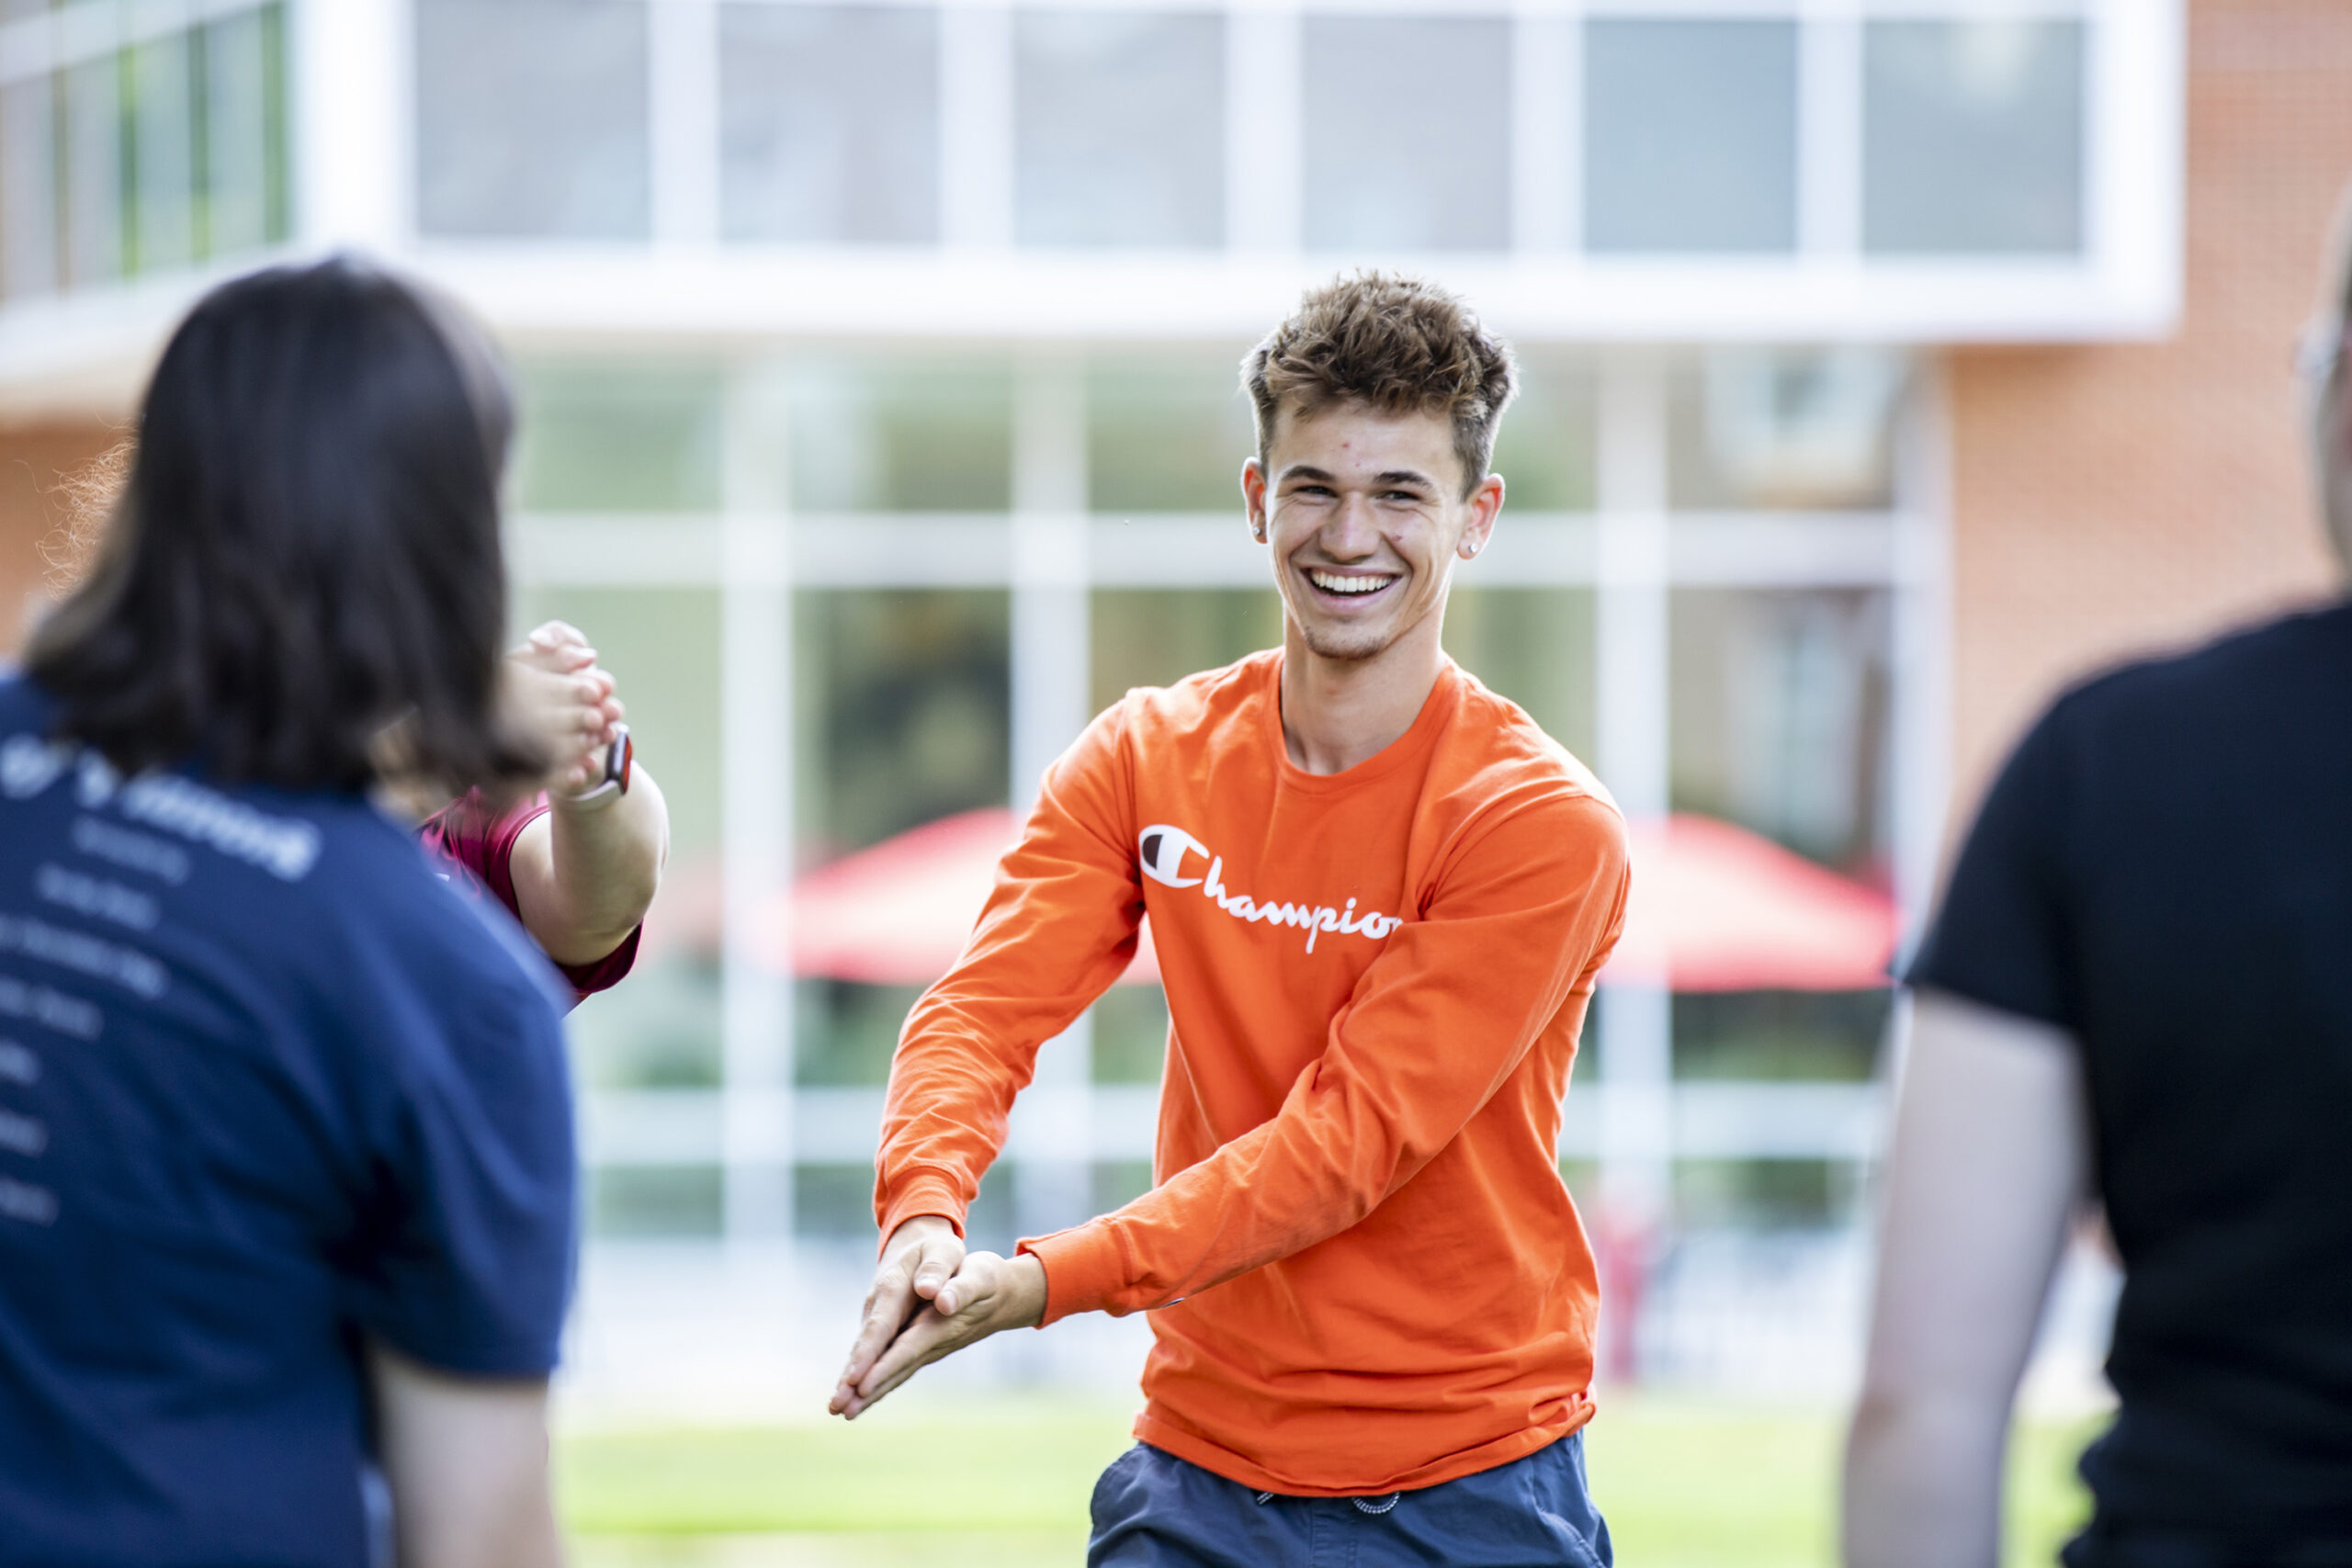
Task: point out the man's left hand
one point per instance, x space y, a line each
987 1295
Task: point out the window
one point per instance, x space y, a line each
829 123
243 195
28 187
904 711
1545 448
531 119
1794 430
93 239
1119 128
1690 136
1972 136
1166 434
127 161
162 159
1157 636
1407 133
1778 716
1534 646
640 438
891 434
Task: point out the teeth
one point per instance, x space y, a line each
1331 583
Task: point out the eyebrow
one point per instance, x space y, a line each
1392 476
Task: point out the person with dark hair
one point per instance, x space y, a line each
2138 991
578 860
1380 896
287 1173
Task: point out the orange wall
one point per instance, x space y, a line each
35 460
2114 499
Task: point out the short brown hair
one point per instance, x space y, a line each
1394 344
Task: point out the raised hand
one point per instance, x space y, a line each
552 687
986 1294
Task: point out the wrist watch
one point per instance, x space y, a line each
619 758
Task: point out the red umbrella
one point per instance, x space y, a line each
1715 908
898 914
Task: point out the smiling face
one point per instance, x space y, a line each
1365 516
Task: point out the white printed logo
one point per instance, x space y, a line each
29 764
1161 850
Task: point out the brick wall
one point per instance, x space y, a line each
2114 499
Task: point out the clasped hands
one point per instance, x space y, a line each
931 1299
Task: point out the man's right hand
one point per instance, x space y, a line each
921 1257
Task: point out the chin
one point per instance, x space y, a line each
1352 648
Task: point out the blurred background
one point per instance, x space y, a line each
1887 362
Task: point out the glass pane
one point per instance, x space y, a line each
163 154
94 194
1119 127
1407 133
1780 716
1130 1038
28 187
608 438
887 433
903 711
1780 1034
1149 637
1166 434
1762 1195
1544 449
829 123
531 119
656 1200
660 1030
1533 646
1780 428
1690 136
237 95
1972 136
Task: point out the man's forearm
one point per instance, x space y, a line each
1923 1481
606 858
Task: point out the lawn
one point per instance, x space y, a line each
1684 1485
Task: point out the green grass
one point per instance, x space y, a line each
1684 1485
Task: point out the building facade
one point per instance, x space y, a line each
1886 361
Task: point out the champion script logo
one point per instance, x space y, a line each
1162 850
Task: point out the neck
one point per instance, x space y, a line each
1340 712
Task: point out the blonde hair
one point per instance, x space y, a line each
90 494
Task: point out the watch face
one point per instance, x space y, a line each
619 759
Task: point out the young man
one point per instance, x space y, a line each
1380 896
2138 988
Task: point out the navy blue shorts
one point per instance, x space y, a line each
1154 1510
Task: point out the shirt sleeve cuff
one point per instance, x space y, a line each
1085 1270
920 1195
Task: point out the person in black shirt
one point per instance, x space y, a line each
2139 987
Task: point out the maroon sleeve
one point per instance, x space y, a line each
468 832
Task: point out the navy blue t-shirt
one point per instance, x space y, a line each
268 1085
2165 870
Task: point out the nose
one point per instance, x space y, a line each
1350 534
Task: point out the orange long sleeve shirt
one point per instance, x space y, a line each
1363 1271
